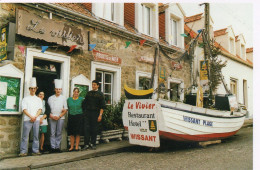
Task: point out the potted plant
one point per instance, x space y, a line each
112 124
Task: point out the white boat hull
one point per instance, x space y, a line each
182 122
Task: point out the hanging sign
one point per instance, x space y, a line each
145 59
3 45
162 72
33 26
99 56
203 70
176 65
140 117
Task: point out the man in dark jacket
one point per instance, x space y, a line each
93 107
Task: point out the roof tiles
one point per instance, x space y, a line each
193 18
220 32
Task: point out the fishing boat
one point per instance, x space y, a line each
148 120
183 122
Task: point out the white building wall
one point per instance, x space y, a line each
240 72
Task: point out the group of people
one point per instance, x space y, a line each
83 117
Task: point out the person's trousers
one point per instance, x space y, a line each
56 132
27 126
90 127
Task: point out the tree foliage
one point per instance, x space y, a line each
215 67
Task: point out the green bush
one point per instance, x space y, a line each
112 116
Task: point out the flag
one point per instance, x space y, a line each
109 44
142 42
184 35
199 30
44 48
21 48
127 43
72 48
92 46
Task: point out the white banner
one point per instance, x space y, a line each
140 116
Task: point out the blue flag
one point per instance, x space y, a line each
44 48
199 30
92 46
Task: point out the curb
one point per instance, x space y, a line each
76 157
248 123
82 157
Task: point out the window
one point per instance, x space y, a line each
233 86
243 52
146 19
112 12
144 83
109 11
245 94
175 86
106 83
173 33
232 46
174 92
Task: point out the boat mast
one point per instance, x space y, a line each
158 54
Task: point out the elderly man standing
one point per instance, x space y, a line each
32 108
58 106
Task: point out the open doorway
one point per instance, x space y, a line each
45 73
40 65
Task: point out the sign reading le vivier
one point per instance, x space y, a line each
33 26
140 116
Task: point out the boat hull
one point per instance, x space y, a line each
182 122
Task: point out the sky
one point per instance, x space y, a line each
239 15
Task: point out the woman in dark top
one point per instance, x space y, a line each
75 118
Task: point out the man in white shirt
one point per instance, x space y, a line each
58 106
31 107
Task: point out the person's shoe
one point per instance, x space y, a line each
93 147
53 150
58 151
36 153
70 150
22 154
85 147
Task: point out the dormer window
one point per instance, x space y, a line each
243 51
113 12
146 11
109 11
232 51
173 32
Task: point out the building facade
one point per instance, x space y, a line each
238 73
114 43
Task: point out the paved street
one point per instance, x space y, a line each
232 154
